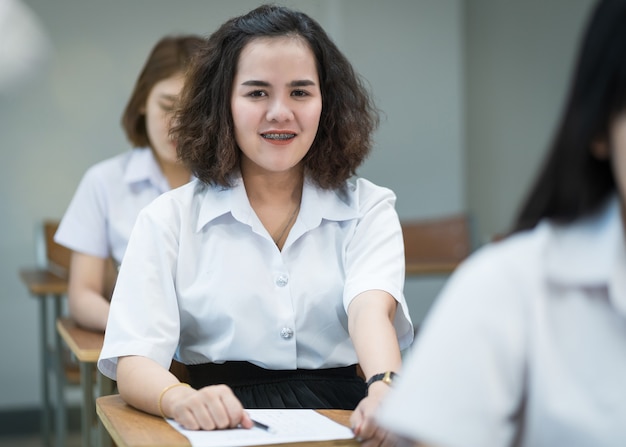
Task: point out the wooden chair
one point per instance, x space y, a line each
436 245
52 256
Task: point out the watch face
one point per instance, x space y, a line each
388 377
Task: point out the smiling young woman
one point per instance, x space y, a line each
274 273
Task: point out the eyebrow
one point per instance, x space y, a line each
298 83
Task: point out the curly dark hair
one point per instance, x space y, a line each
205 127
169 56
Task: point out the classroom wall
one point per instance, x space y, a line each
67 118
518 58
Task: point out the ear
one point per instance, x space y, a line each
600 149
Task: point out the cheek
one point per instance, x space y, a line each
313 116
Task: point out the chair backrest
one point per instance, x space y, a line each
56 258
51 255
437 240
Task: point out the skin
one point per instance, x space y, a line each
618 138
276 91
615 149
92 278
158 110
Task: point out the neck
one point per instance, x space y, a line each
275 189
175 173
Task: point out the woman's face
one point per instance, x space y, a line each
159 109
276 104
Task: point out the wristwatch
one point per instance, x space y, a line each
387 377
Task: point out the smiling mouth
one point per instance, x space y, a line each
278 136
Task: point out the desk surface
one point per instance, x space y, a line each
42 282
133 428
85 344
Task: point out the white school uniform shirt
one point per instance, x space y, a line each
203 281
525 346
101 215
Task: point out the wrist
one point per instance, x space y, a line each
164 392
386 377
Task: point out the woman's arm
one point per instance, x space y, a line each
370 322
148 386
87 282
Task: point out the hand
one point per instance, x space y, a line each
210 408
364 426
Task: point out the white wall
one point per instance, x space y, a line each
66 119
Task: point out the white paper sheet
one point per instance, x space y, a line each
287 426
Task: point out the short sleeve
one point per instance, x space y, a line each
83 226
144 315
375 254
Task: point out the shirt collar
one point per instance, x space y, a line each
585 252
143 167
317 204
591 253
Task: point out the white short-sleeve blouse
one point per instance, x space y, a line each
525 346
101 215
202 280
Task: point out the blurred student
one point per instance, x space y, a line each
274 273
101 215
24 46
527 343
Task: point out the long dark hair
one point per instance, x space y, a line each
573 182
205 130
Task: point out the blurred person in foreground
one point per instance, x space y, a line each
527 343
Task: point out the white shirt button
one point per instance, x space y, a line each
286 333
282 280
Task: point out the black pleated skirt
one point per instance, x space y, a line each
256 387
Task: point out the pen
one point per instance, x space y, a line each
262 426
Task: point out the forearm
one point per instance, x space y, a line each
88 308
372 332
141 381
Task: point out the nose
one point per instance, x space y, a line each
278 110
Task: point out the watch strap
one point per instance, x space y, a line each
386 377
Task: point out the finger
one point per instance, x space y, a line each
187 420
225 409
375 441
219 413
235 411
356 419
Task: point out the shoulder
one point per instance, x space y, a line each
179 203
509 267
109 170
364 194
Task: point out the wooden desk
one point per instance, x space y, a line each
133 428
418 268
86 346
49 288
